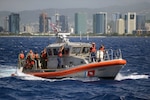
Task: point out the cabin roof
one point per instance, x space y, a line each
78 44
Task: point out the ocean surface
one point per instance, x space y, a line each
131 83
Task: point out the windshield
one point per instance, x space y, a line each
76 50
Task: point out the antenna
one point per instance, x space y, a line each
87 37
80 36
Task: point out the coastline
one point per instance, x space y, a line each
32 36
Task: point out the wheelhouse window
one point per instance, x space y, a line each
66 51
85 50
55 51
76 50
49 51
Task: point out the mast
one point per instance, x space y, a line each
80 36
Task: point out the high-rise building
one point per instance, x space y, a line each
100 23
80 23
115 17
43 23
57 19
130 22
49 27
140 22
14 23
6 24
120 26
63 22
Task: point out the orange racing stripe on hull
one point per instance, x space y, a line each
79 69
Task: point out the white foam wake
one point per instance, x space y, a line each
24 76
120 77
6 71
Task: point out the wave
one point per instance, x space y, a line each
24 76
119 77
6 71
132 76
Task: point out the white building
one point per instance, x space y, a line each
130 22
28 29
115 17
120 26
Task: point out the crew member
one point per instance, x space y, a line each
44 59
100 53
21 59
37 58
21 55
30 59
93 52
59 58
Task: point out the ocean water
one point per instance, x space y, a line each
131 83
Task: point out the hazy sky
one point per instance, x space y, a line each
20 5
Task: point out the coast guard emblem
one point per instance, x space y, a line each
91 73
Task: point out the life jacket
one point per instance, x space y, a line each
21 56
44 55
32 62
60 54
29 62
93 49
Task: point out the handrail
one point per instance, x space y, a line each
112 54
108 54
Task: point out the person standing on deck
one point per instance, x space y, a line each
30 59
21 59
100 53
93 52
37 58
59 57
44 59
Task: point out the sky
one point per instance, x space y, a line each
21 5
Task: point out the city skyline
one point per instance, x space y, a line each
99 23
18 5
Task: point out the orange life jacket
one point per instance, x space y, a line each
32 62
21 56
60 54
93 49
44 55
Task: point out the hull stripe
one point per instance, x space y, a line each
80 68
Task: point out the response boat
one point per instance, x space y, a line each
76 61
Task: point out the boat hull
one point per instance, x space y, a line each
105 69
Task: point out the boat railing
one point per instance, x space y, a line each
110 54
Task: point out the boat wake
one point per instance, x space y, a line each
7 71
133 76
119 77
24 76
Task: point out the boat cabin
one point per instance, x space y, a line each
73 54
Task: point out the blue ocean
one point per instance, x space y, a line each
131 83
